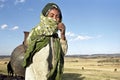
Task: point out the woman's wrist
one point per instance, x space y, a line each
63 37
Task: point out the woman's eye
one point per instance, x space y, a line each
57 16
51 15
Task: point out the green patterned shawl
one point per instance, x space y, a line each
38 38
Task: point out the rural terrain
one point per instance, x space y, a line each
80 67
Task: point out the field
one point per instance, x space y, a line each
92 68
76 68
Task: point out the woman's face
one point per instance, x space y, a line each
54 13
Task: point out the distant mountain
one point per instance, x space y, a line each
95 55
4 56
106 55
81 56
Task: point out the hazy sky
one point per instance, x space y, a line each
92 26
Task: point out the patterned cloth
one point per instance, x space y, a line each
46 27
38 39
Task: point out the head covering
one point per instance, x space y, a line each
48 7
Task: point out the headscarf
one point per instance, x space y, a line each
50 6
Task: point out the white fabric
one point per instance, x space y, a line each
39 68
41 62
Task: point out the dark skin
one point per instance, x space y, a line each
54 13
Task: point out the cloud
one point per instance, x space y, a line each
2 0
99 36
15 28
74 37
79 37
19 1
2 3
70 34
4 26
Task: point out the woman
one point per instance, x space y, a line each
44 57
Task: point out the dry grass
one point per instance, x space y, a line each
90 69
82 69
3 65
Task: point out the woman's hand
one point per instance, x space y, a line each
61 27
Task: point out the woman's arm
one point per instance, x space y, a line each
62 28
63 40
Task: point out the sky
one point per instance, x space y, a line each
92 26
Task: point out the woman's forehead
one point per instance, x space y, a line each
56 11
